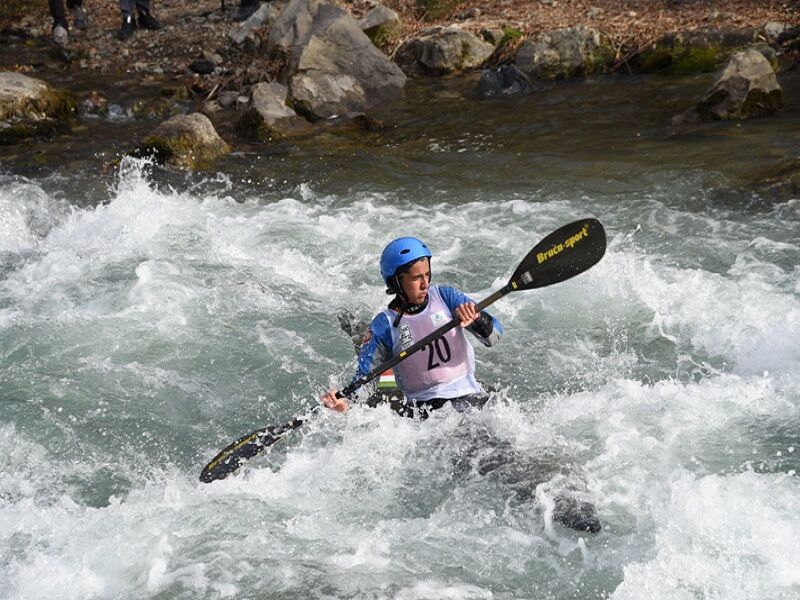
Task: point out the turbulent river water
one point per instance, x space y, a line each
147 319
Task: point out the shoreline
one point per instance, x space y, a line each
156 82
192 28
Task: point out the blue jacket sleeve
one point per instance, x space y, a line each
375 349
487 329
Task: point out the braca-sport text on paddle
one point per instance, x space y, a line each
568 251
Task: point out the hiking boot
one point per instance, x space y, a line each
60 36
246 10
148 21
126 30
79 18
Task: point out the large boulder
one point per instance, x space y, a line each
184 142
332 67
269 117
746 88
441 51
564 53
29 107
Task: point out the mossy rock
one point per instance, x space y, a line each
181 152
758 103
185 142
24 130
54 104
510 35
30 108
692 52
565 53
384 34
682 60
697 60
251 126
43 114
601 59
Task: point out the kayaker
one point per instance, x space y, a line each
443 372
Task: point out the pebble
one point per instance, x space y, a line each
211 106
212 57
472 13
228 99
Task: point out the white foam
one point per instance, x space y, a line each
732 537
26 214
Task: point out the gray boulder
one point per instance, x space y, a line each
269 117
184 142
564 53
332 66
441 51
30 107
381 24
746 88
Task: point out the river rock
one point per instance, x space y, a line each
493 35
692 51
228 99
769 53
508 80
264 16
30 107
332 67
202 66
441 51
381 24
185 142
564 53
774 29
746 88
269 117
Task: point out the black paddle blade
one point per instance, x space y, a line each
566 252
239 452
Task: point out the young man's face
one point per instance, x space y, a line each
416 281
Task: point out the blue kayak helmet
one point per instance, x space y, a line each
397 254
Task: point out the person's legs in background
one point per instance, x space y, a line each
145 20
60 26
246 9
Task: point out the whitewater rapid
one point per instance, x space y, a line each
141 334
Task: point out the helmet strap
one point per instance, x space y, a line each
401 304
